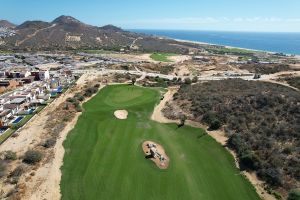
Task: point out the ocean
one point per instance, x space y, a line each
288 43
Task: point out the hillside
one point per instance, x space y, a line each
66 32
261 120
7 24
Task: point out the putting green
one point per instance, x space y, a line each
104 159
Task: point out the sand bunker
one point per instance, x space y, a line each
156 153
121 114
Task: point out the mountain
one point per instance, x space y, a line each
66 20
111 28
33 25
66 32
7 24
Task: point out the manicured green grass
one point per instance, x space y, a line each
162 57
104 159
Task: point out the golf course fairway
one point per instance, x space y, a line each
104 159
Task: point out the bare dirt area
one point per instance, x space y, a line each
156 153
157 114
41 181
121 114
179 58
132 57
218 135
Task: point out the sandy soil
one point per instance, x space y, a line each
45 183
182 70
180 58
157 115
47 178
160 149
218 135
121 114
132 57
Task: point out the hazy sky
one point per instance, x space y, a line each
231 15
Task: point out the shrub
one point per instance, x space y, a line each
215 124
49 143
195 79
17 172
71 100
90 91
78 108
272 176
32 157
187 81
80 98
211 119
10 155
2 168
294 194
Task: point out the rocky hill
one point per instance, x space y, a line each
66 32
7 24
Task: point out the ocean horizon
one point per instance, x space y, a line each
280 42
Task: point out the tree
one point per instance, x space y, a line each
182 119
133 80
187 81
31 157
215 124
195 79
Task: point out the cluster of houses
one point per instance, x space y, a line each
12 79
22 102
29 94
5 32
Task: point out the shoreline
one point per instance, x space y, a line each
225 46
297 55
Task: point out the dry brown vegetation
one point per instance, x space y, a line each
261 120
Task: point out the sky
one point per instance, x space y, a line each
222 15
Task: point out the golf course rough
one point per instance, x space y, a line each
104 160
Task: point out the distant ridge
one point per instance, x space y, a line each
68 33
33 24
7 24
111 28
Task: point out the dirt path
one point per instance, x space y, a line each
157 114
272 78
218 135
